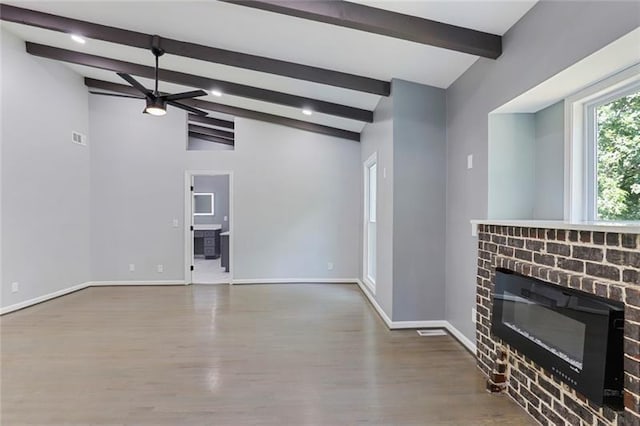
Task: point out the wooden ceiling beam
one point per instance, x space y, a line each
211 121
211 138
237 112
384 22
199 82
211 132
195 51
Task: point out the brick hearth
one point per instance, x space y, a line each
603 263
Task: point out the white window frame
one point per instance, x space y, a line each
213 203
580 144
369 281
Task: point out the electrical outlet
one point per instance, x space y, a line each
470 161
132 267
473 315
15 287
176 223
160 269
225 218
330 266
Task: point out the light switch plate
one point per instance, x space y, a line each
470 161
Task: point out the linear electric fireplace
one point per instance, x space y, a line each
576 336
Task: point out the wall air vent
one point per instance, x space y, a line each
78 138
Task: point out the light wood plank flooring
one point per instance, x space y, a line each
233 355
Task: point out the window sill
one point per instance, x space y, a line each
601 226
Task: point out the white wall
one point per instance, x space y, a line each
45 177
511 166
548 39
295 197
419 194
549 158
219 187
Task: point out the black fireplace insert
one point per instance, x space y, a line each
576 336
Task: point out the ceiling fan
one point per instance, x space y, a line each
157 103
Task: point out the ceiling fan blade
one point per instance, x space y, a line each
187 108
184 95
118 95
132 81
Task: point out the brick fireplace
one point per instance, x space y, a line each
595 261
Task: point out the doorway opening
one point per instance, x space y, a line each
209 220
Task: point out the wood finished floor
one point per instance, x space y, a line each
233 355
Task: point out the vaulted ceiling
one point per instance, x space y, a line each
333 58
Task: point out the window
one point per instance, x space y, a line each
370 217
203 204
614 139
602 180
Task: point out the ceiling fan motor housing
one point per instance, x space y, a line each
155 46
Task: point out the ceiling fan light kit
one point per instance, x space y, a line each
155 107
157 102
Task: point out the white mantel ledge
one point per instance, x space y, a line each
600 226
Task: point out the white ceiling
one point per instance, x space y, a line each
257 32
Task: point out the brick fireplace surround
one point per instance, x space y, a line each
603 263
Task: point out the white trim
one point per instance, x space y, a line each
296 281
575 144
467 343
375 304
399 325
135 283
188 221
370 283
396 325
40 299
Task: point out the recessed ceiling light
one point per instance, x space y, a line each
216 92
78 39
307 111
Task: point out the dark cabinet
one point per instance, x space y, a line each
207 243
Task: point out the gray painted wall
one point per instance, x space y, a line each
419 185
296 197
512 165
551 37
549 157
378 137
218 185
197 144
45 177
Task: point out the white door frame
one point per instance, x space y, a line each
371 285
188 221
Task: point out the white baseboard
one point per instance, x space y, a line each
396 325
296 281
135 283
467 343
43 298
374 303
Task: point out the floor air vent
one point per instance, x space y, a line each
430 333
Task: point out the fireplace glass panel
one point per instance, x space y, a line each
557 333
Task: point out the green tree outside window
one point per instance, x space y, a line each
618 159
